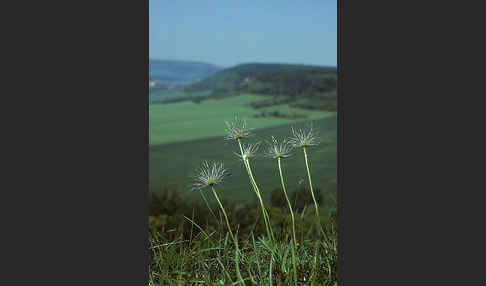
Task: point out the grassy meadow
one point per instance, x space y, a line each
183 134
160 96
172 164
188 120
194 248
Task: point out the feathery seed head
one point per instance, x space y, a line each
208 175
303 138
236 129
278 150
249 151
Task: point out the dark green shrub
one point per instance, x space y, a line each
302 197
278 199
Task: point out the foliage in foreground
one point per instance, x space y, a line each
168 210
189 244
194 254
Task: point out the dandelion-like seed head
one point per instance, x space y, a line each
209 175
278 150
236 129
303 138
249 151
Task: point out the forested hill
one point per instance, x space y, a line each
270 79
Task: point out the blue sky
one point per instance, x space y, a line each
227 33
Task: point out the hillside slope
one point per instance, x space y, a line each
310 87
270 79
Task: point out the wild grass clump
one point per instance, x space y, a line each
245 217
190 254
227 252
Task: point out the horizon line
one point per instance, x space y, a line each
244 63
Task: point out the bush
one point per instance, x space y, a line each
167 210
299 198
303 197
278 199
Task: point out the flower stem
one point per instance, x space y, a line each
264 210
288 202
310 183
232 236
266 219
225 216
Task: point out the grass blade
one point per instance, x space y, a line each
194 223
257 256
224 269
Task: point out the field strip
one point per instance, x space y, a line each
256 130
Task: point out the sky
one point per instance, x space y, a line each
227 33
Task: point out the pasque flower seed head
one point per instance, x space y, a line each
209 175
278 150
303 138
236 129
249 151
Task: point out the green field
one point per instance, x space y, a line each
156 96
185 133
172 164
187 120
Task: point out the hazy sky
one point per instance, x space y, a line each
227 33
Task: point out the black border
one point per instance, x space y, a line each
78 207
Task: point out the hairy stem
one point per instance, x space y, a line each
288 202
225 216
310 183
266 219
261 201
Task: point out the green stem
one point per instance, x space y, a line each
288 202
266 219
310 183
232 236
261 202
225 216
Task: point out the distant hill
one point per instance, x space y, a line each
270 79
170 72
310 87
